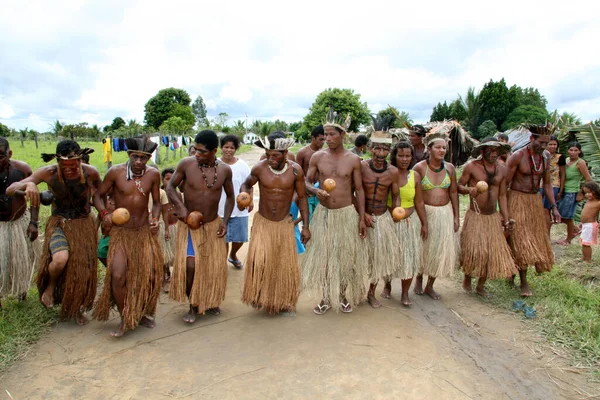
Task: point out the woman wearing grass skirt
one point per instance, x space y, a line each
440 194
413 230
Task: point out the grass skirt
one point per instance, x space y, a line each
76 286
272 278
167 246
484 252
144 275
382 243
336 260
442 247
18 256
530 240
410 247
210 276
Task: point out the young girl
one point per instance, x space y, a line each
576 171
589 218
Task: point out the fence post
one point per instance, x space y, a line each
35 137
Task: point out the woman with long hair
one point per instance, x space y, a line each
440 195
413 230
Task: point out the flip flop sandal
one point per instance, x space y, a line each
213 311
322 309
345 308
237 264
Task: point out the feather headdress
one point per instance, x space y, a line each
275 144
73 156
432 137
546 129
332 119
140 144
381 125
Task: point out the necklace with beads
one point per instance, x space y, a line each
208 185
440 169
276 172
374 169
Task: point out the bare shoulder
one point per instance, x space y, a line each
21 166
297 168
517 155
91 170
393 171
417 175
224 168
153 172
450 167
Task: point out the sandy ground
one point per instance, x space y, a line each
455 348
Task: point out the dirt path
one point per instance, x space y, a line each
455 348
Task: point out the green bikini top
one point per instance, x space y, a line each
427 185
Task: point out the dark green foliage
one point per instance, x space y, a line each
440 112
117 123
487 128
401 118
525 114
343 101
162 106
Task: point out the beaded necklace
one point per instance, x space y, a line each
209 185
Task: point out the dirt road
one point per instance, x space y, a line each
455 348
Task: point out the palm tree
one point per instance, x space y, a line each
472 105
56 127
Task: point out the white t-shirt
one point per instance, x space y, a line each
239 172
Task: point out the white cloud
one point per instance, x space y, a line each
92 61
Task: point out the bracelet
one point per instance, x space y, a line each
103 213
34 223
554 206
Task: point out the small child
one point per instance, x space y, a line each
589 218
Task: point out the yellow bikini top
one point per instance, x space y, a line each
407 192
427 185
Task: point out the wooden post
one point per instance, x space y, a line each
22 144
158 151
35 137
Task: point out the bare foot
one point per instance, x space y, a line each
119 331
563 242
481 292
525 291
190 317
386 293
405 300
214 311
147 322
373 301
47 299
467 284
419 285
81 319
432 293
166 285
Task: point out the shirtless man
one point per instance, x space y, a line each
336 259
18 226
272 278
202 279
530 240
317 140
135 262
415 136
484 250
379 180
67 272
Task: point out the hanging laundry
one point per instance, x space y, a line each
116 144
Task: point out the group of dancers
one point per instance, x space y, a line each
361 222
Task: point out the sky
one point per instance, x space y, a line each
91 61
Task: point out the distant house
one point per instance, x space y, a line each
250 138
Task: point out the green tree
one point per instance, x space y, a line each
596 122
185 113
471 105
175 126
80 130
530 97
343 101
219 123
279 125
488 128
162 106
117 123
4 131
566 119
199 110
295 126
56 127
302 134
496 102
238 128
440 112
401 118
525 114
457 111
